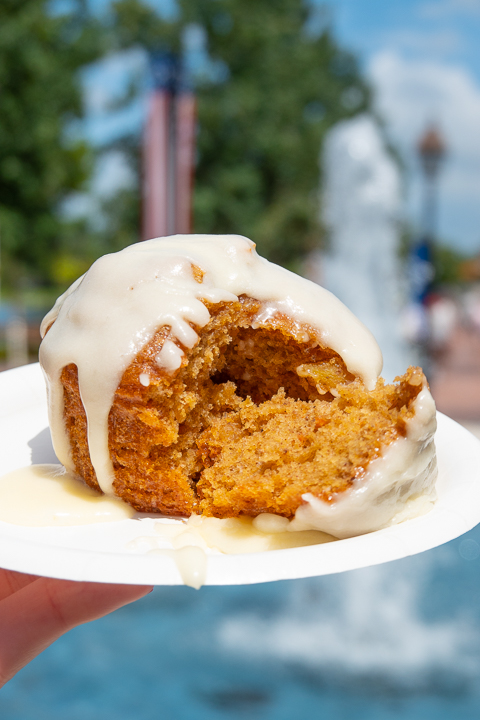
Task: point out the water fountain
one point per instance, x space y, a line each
361 212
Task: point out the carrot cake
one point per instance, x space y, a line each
188 375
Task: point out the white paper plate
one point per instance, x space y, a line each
99 552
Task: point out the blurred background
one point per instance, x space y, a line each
343 138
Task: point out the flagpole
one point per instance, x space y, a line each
168 151
156 151
185 160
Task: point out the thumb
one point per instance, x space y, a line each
34 617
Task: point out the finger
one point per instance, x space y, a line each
42 611
11 582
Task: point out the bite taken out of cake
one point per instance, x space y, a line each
188 375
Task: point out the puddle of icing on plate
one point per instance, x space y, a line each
49 496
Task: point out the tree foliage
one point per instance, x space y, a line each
40 55
272 90
449 264
272 87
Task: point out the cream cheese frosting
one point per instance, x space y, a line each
113 311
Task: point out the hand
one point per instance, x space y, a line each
35 611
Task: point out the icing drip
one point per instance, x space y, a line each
108 315
170 356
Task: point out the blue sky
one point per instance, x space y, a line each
423 60
441 29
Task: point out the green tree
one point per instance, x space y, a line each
272 90
40 56
448 263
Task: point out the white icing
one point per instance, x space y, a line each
108 315
144 379
286 307
170 356
191 563
47 496
269 523
233 535
397 486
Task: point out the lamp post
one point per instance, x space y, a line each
421 271
431 150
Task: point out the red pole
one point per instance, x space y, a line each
168 152
155 221
185 161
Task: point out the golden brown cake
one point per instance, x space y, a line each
263 401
